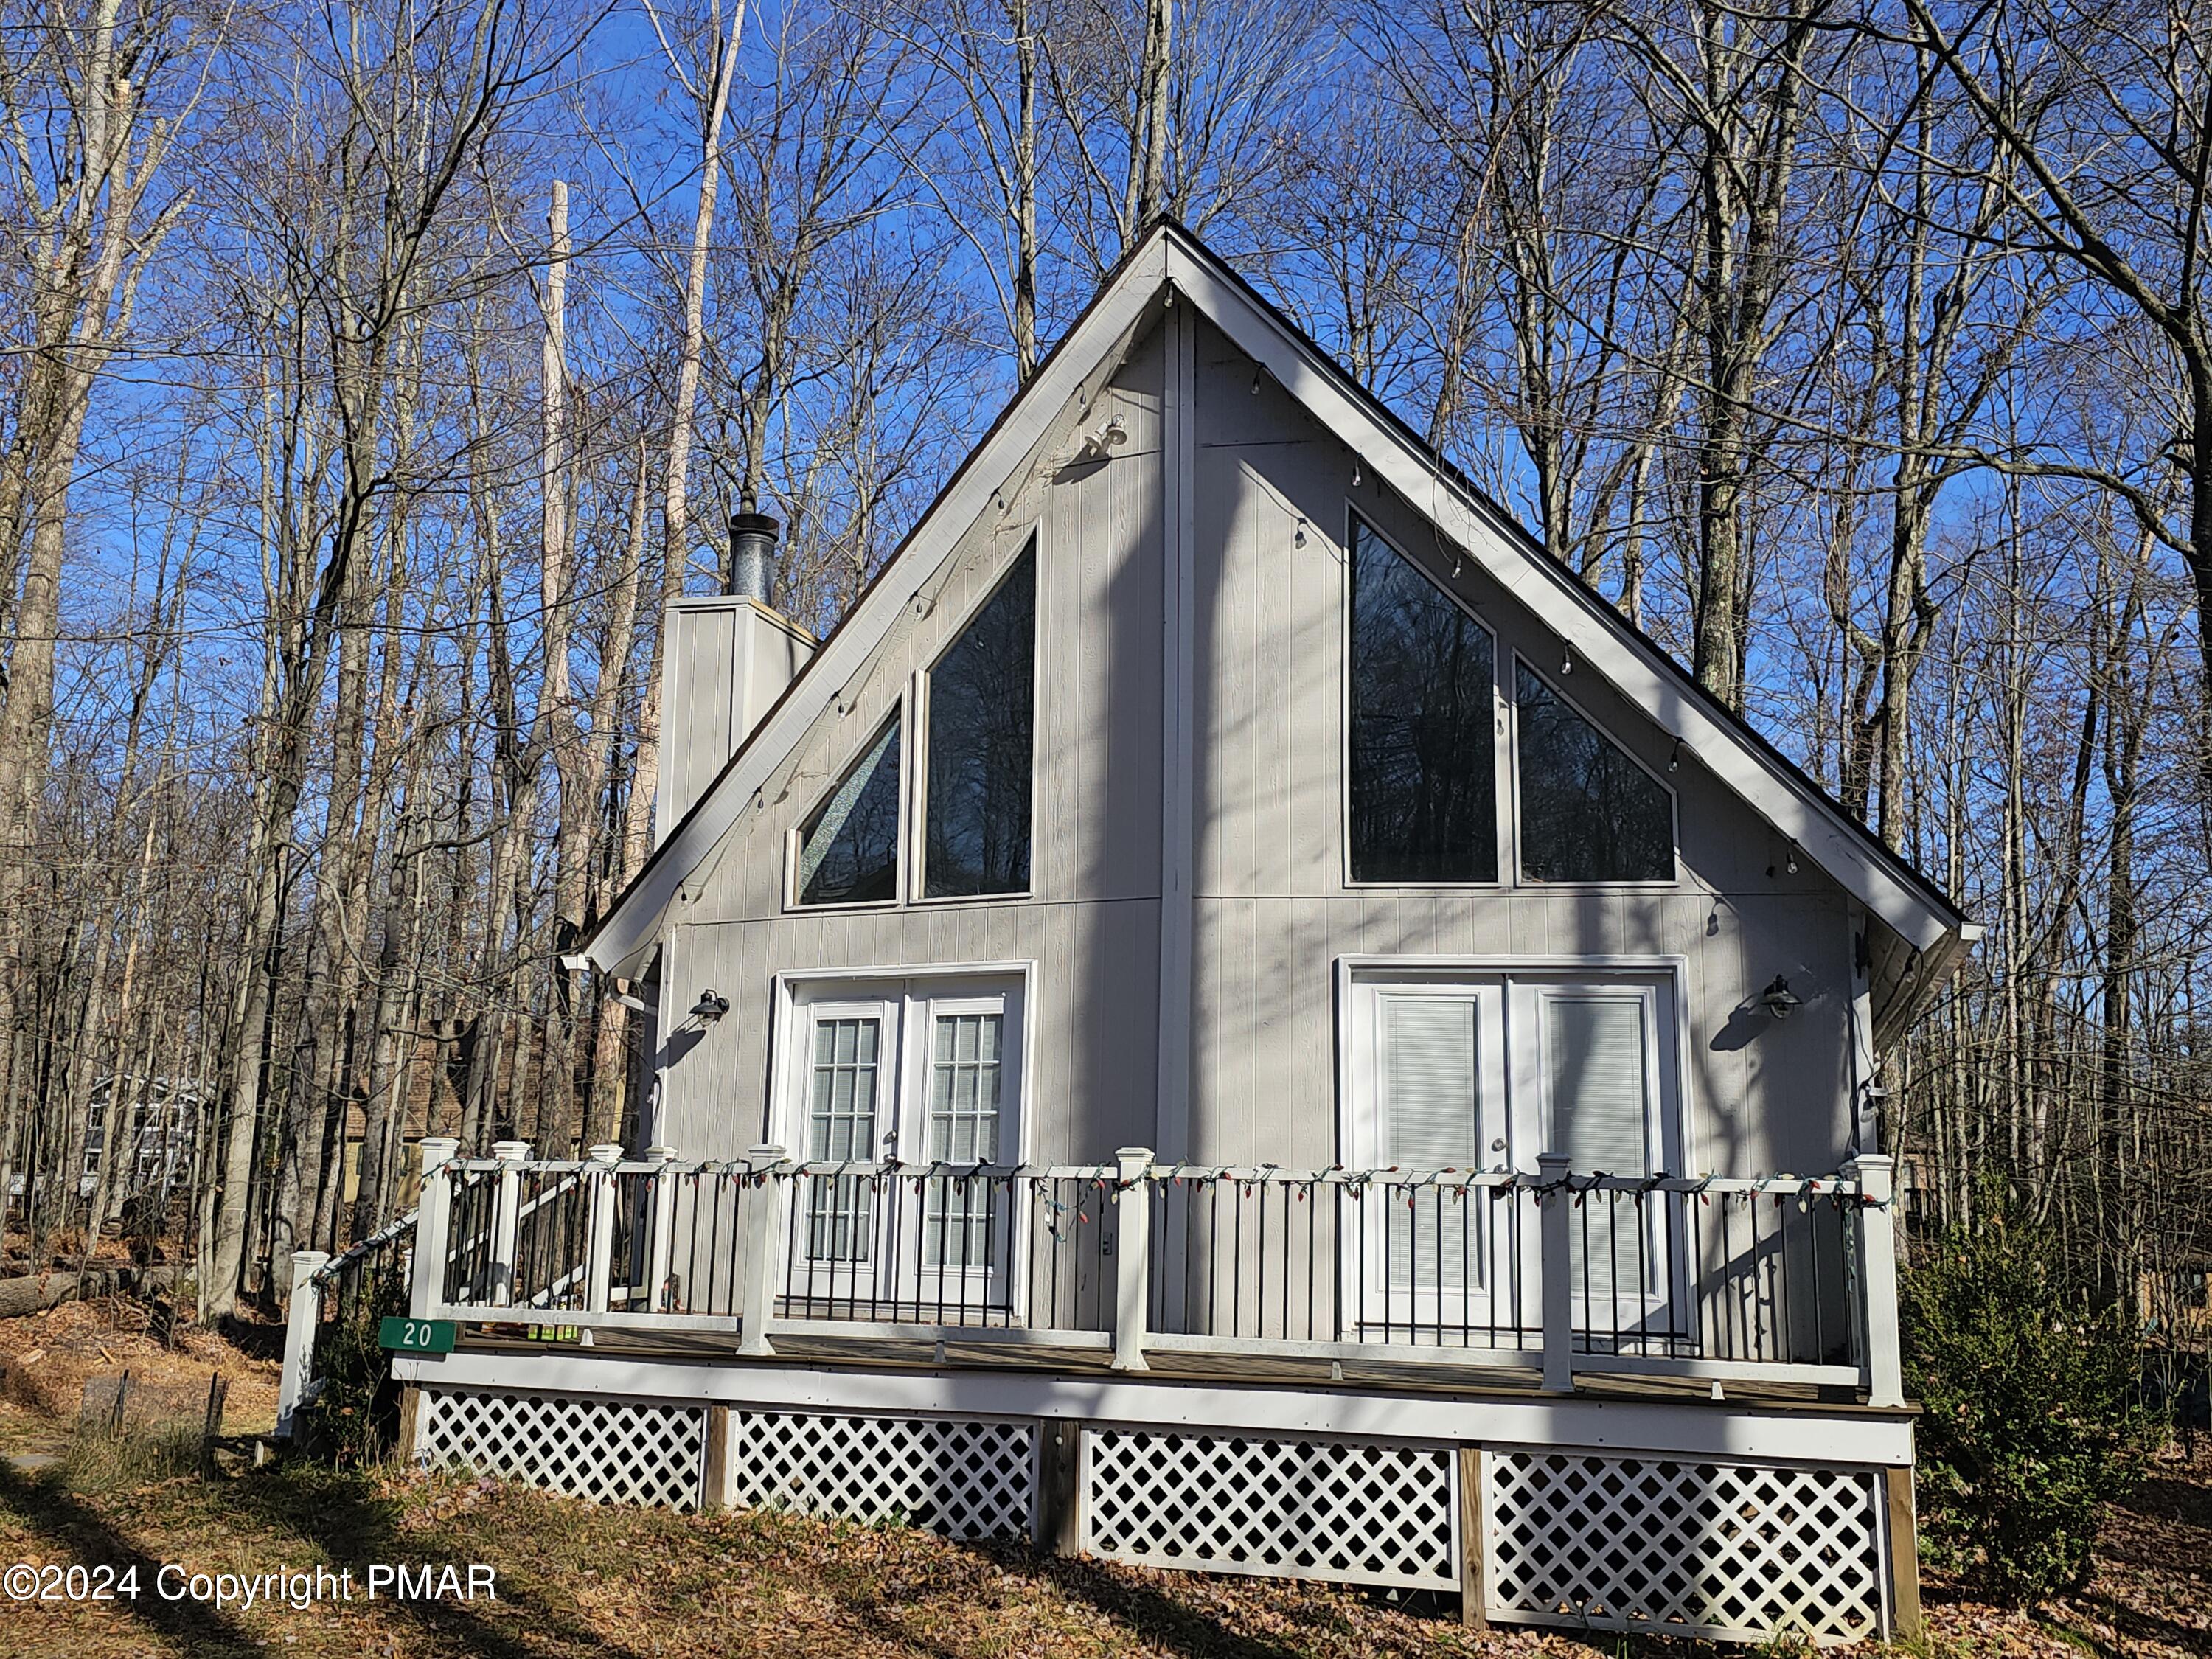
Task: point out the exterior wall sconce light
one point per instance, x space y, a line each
711 1006
1780 1000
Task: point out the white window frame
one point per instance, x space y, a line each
901 710
1510 697
915 886
910 997
1506 865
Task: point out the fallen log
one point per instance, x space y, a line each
32 1292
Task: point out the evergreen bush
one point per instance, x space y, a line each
2031 1421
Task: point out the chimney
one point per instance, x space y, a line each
726 658
752 555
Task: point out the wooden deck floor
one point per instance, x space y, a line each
1505 1380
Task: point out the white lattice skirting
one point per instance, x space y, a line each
1732 1551
607 1450
962 1479
1348 1511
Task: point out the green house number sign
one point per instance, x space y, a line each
403 1335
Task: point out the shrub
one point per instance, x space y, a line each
353 1418
2030 1422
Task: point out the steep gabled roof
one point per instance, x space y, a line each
1171 262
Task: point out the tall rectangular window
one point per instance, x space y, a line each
1423 741
841 1125
848 851
982 739
1588 812
957 1224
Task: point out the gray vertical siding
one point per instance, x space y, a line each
1272 913
733 660
1091 925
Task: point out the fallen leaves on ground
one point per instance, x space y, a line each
577 1580
46 1358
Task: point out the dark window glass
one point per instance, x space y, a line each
982 706
1587 812
849 853
1423 786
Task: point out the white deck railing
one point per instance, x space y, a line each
1561 1272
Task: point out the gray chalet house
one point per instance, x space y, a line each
1231 1016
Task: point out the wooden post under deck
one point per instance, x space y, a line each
1904 1555
1059 1521
1471 1587
714 1479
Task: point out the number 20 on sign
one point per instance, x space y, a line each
405 1335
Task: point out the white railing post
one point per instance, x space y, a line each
1133 1264
506 1218
763 1220
601 1195
300 1321
660 1241
434 1224
1884 1370
1555 1263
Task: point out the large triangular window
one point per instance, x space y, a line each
982 732
848 851
1589 811
1423 744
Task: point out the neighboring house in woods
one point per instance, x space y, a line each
161 1125
1232 1014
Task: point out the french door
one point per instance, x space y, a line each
1429 1094
1464 1070
926 1075
1598 1075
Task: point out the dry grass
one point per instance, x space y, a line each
576 1580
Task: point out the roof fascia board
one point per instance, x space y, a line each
1575 614
634 921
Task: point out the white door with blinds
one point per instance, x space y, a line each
1595 1078
1466 1071
925 1074
1429 1070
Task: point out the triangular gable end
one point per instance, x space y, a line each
1170 266
1026 430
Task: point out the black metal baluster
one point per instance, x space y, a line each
1819 1289
1189 1246
803 1192
1312 1222
1785 1298
1582 1210
1612 1260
